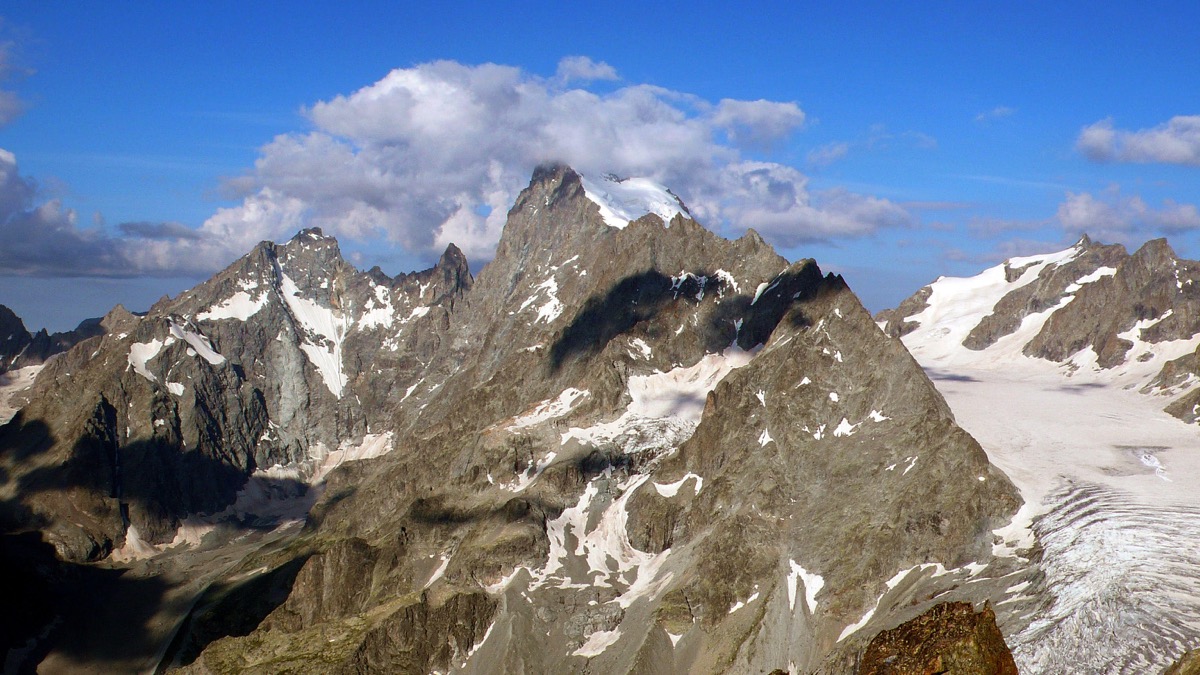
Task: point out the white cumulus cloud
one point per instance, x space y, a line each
437 153
1176 141
1111 216
582 68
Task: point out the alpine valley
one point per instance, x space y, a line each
627 446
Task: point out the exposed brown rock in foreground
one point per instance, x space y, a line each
1188 664
950 638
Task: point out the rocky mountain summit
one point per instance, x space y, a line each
627 445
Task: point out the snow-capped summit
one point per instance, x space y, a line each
623 200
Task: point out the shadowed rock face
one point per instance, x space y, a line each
618 449
20 348
949 638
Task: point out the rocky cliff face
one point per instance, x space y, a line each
627 446
19 348
279 359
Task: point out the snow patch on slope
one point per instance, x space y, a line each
671 489
324 330
140 353
598 642
240 306
813 583
677 395
552 308
13 383
624 200
550 409
198 343
938 570
379 311
370 447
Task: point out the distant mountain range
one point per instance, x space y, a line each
1100 312
628 445
21 349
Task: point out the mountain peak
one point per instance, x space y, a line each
453 257
1156 249
635 383
309 233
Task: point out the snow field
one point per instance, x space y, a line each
623 201
813 583
240 306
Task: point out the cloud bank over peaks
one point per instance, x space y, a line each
1176 141
1108 216
1125 219
43 237
437 153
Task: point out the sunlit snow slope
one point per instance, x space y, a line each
1111 481
622 200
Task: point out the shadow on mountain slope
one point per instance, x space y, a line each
642 297
96 614
630 301
233 610
152 483
59 600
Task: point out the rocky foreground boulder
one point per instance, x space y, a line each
627 445
949 638
1188 664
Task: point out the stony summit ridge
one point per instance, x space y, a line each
627 446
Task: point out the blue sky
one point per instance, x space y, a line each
151 143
